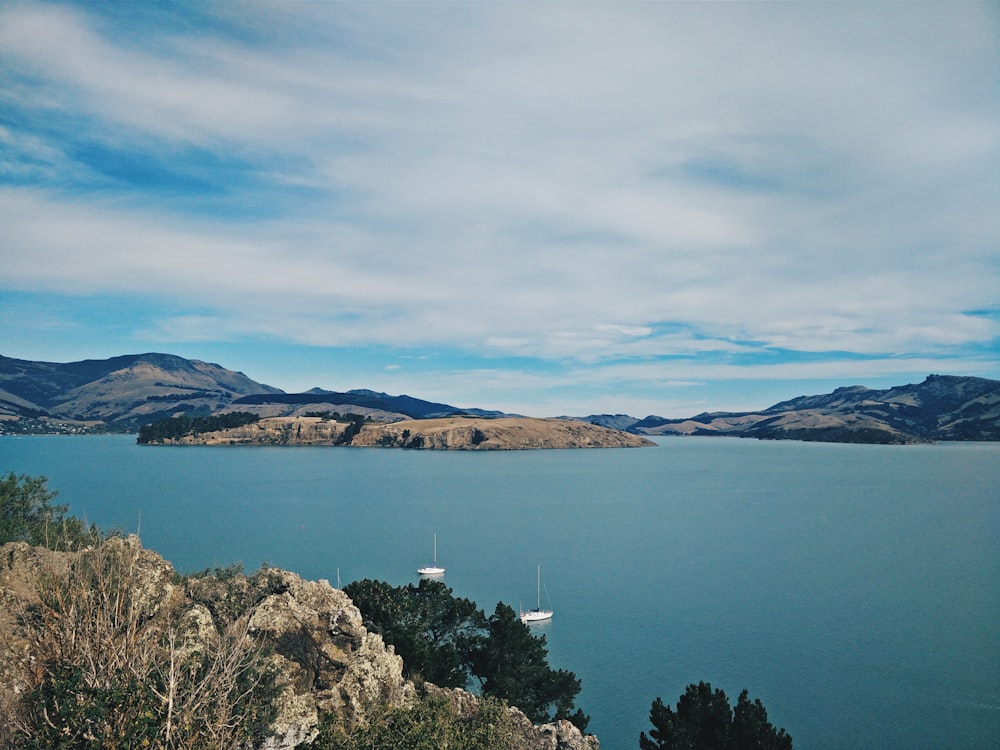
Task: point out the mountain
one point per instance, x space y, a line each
118 393
614 421
124 393
407 406
940 408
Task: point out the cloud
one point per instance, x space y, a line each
583 185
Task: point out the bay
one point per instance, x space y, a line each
853 589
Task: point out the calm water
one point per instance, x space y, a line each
853 589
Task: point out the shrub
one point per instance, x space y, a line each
28 515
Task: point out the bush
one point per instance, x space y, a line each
109 664
178 427
448 641
704 721
430 724
28 515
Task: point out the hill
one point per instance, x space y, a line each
120 393
124 393
440 433
941 408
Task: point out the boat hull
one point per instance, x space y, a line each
536 615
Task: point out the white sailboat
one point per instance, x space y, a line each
433 569
538 614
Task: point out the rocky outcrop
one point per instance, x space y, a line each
557 735
271 431
445 433
505 433
327 663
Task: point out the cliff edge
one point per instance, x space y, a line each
443 433
119 611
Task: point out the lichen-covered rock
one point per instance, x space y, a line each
558 735
327 663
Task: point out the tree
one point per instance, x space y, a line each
354 424
752 730
448 641
173 428
28 515
511 663
704 721
432 630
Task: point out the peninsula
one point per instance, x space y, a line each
441 433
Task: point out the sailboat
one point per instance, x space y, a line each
538 614
433 569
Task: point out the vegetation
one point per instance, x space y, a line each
704 721
27 514
433 631
103 661
178 427
112 666
355 423
451 643
433 723
511 663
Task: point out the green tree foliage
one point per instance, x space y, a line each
449 642
511 663
431 629
354 424
27 514
432 723
753 731
178 427
704 720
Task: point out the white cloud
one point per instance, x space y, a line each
572 183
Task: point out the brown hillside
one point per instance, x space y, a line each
446 433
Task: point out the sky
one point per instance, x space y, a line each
544 208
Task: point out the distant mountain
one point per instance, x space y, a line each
121 393
614 421
942 407
408 406
124 393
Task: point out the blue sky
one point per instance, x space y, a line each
551 208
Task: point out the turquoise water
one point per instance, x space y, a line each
853 589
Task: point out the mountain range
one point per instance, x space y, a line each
126 392
941 408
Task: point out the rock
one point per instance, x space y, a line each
504 433
330 662
444 433
327 662
558 735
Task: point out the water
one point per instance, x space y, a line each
853 589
